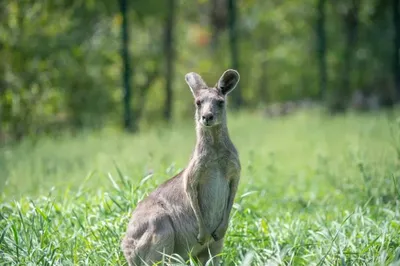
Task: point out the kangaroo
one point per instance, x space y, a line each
189 213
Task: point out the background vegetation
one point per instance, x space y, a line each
320 182
93 63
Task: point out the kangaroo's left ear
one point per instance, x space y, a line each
195 82
228 81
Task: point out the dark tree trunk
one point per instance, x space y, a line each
170 58
396 62
351 27
214 25
126 75
343 92
321 49
233 43
3 101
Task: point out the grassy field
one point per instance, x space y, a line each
315 190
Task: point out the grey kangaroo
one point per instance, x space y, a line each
189 213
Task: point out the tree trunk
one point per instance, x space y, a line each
351 20
214 25
321 47
233 43
170 58
129 121
343 92
396 62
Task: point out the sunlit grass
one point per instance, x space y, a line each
315 190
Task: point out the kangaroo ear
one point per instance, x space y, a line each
195 82
228 81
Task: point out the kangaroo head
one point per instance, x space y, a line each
210 101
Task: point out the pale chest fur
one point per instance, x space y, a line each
216 171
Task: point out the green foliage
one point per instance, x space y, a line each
52 66
315 190
61 61
61 64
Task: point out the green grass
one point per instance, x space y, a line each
315 190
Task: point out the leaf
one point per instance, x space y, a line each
117 20
144 180
4 233
264 227
115 185
248 193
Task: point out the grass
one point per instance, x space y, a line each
315 190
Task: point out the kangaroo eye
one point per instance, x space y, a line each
198 102
221 103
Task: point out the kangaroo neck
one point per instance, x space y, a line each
212 137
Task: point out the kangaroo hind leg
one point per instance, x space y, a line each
157 240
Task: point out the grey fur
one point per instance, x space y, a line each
189 213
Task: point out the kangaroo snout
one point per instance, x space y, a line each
207 118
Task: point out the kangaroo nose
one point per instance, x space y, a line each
208 117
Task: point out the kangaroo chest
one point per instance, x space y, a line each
214 189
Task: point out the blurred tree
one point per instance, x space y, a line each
321 48
170 57
2 80
218 20
61 61
348 11
237 99
396 46
129 120
351 24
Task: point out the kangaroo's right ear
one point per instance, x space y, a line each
195 82
228 81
